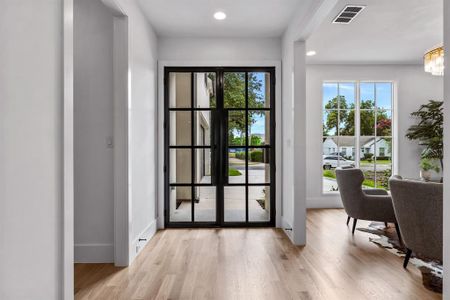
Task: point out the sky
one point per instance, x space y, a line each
382 90
259 126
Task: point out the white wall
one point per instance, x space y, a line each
142 132
300 142
287 125
446 288
93 126
414 86
219 49
31 123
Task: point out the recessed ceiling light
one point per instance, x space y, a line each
311 53
220 15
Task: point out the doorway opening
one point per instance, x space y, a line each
219 132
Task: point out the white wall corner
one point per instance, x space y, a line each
68 156
122 89
446 212
299 122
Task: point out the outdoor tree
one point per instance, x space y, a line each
367 120
384 125
234 97
348 127
334 115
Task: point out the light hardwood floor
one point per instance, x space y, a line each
257 264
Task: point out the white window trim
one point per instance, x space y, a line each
394 128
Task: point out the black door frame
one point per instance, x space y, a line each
219 148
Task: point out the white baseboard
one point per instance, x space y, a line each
287 228
142 239
94 253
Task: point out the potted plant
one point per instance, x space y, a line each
429 130
426 168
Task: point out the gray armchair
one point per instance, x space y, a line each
370 204
418 208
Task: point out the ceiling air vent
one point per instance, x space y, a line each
347 15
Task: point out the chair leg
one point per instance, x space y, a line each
407 257
397 228
354 225
348 220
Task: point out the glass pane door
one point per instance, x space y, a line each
220 152
247 108
192 102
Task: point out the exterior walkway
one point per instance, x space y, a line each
205 208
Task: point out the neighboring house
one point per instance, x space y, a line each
329 146
346 147
381 147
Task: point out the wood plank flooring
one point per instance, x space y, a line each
257 264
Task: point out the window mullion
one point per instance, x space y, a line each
375 133
357 125
338 131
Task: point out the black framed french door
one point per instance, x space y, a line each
219 135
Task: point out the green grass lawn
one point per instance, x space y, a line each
332 174
379 162
233 172
329 173
368 183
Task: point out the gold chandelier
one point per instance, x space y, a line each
433 61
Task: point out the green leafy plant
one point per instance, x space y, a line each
256 140
429 131
427 165
256 156
368 156
240 155
383 179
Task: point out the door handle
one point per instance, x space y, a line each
214 160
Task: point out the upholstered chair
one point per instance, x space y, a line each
364 204
418 209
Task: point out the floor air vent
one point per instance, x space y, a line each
347 15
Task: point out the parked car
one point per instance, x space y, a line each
334 161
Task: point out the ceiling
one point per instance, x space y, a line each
386 31
245 18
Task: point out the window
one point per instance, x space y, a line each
357 115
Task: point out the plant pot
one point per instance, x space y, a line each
426 175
